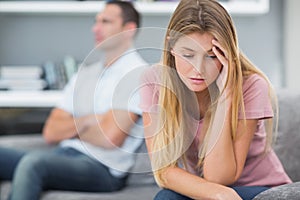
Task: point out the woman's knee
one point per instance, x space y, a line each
166 194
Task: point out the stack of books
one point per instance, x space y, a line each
49 76
58 74
22 78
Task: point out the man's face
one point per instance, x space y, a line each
108 24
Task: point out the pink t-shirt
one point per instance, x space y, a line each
260 169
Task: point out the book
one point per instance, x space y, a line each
22 77
58 74
21 72
23 84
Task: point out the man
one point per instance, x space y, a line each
97 123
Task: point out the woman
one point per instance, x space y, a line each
208 112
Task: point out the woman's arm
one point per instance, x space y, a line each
181 181
196 187
225 158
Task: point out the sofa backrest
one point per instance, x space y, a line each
141 173
287 145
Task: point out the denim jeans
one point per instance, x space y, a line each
245 192
57 169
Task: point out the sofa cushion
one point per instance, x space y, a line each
141 173
287 146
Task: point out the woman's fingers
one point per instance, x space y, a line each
221 55
220 52
217 44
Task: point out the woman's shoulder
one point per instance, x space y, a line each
152 74
149 88
255 81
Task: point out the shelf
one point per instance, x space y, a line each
29 98
234 7
254 7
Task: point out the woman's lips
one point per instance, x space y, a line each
197 80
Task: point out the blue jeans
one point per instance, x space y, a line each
245 192
56 169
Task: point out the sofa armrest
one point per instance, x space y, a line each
288 191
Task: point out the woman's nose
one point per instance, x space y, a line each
198 65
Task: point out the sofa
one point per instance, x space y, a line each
142 185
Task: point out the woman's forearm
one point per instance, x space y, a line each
220 162
195 187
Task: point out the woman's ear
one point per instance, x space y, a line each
172 52
168 38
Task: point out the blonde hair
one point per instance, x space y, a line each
170 143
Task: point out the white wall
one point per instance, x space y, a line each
292 44
32 39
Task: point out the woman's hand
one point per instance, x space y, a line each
222 56
225 193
